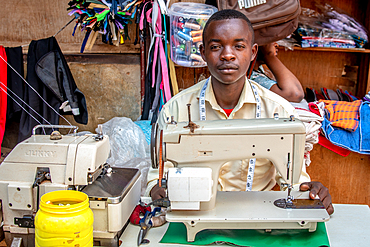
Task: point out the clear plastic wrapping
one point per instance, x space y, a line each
128 146
329 27
187 23
127 140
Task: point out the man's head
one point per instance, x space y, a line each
228 46
226 15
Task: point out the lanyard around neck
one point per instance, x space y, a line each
202 101
202 117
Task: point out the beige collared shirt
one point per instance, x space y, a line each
233 175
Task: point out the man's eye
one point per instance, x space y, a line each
215 47
239 46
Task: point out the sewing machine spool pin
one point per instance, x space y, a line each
173 120
99 136
191 124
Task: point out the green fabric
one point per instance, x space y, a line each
102 15
176 233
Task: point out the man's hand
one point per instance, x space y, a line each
267 51
317 188
157 193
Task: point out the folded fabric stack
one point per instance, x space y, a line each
348 125
345 120
312 122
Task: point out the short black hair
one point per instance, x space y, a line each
229 14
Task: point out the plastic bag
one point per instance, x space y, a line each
339 20
330 27
127 140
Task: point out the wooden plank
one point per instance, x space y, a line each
129 59
314 49
321 69
346 177
187 77
364 76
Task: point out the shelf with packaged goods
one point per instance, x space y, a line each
325 49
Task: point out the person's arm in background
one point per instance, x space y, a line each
288 86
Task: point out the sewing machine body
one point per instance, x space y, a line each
39 165
214 143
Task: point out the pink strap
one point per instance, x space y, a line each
162 56
166 81
141 24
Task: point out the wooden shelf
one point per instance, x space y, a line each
349 50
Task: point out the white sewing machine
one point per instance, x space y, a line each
198 150
44 163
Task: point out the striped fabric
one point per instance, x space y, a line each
343 114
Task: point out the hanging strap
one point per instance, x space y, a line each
202 117
171 65
159 50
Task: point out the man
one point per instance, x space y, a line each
228 48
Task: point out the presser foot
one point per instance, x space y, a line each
299 203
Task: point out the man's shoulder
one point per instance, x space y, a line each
188 93
272 98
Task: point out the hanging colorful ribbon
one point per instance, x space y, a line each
109 18
158 84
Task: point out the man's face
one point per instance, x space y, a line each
228 51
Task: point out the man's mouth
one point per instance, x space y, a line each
227 68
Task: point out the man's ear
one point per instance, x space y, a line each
254 51
201 50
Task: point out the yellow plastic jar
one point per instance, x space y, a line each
64 219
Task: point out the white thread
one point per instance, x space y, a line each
24 109
35 91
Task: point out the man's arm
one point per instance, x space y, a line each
288 86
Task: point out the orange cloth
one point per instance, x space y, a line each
343 114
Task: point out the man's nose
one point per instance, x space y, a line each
227 54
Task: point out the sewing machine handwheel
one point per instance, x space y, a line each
153 145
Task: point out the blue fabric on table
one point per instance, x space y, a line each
357 141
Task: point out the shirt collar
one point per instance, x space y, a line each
246 96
